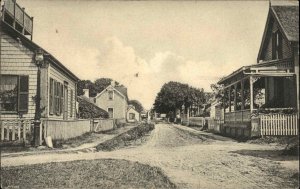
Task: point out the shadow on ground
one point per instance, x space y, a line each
276 155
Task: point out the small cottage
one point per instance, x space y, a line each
132 114
114 100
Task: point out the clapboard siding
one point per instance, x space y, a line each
18 60
61 77
267 52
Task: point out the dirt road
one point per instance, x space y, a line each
195 159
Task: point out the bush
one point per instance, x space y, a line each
124 138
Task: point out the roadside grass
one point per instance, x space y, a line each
104 173
291 143
126 138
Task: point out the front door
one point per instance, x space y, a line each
110 112
65 108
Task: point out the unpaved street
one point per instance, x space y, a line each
195 159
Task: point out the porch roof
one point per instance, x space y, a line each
268 68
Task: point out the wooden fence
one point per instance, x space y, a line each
98 125
198 121
65 129
279 124
214 125
15 130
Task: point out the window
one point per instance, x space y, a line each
56 97
110 95
131 116
14 93
110 112
276 45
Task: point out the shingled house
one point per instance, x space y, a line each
34 84
263 98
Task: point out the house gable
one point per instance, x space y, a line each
109 88
276 24
118 103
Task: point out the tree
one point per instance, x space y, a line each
138 106
220 94
85 84
94 87
102 83
173 95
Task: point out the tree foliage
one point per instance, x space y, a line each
138 106
94 87
174 94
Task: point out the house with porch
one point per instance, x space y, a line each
35 87
263 98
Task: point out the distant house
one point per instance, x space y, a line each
29 72
114 100
132 115
263 98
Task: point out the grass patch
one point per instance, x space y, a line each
105 173
126 138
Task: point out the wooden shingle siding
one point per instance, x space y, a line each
18 60
57 75
286 49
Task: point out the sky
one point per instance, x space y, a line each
144 44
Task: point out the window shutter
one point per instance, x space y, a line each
55 97
58 111
61 105
23 94
71 103
51 96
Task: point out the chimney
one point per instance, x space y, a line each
113 83
86 93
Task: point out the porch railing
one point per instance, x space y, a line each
279 124
18 14
15 129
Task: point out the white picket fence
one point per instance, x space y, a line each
279 124
15 130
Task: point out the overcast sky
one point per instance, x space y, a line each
190 42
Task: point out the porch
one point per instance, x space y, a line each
261 100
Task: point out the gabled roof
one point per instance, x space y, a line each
287 17
120 89
33 46
130 107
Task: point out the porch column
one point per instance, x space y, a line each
242 95
251 93
296 63
235 98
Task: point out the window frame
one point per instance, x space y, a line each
19 93
112 95
277 49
